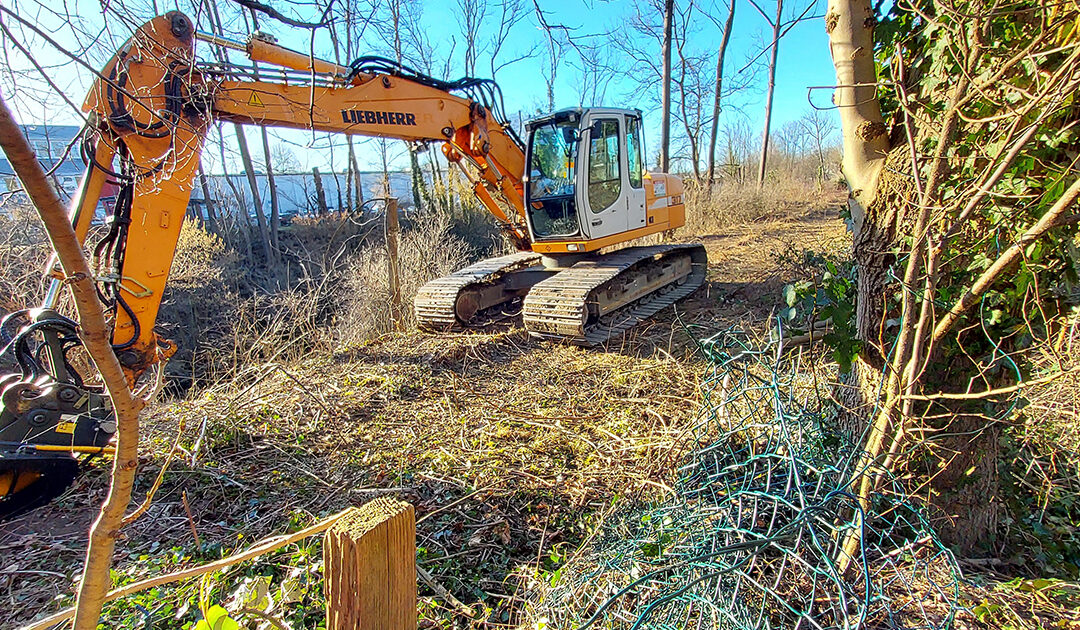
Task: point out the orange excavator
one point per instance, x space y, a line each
576 187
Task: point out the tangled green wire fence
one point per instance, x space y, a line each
752 538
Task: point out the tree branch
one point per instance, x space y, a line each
270 11
262 547
1007 259
95 336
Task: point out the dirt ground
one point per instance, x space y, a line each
511 450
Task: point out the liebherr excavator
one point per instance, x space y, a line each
576 187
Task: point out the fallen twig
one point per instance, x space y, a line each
265 546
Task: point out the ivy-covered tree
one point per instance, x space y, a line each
959 125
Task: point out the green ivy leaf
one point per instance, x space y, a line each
217 618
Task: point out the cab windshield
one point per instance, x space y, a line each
553 149
551 172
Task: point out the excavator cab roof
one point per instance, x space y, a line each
576 114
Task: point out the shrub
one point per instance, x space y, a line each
429 250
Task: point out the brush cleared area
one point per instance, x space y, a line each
513 451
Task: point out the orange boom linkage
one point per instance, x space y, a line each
153 105
577 185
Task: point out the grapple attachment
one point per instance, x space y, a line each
45 423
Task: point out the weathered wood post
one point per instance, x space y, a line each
369 561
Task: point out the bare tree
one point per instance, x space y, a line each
720 55
511 13
818 126
555 39
779 29
470 16
775 49
692 86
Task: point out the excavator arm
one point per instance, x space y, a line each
153 104
149 111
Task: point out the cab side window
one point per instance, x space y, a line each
605 171
633 151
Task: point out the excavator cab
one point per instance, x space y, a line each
585 174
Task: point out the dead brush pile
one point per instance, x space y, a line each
429 250
228 314
24 250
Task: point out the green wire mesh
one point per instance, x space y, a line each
752 538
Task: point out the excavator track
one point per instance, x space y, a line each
466 298
29 480
597 300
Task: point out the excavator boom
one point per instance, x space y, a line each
577 186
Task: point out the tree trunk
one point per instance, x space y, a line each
391 234
320 194
961 470
417 180
353 182
275 207
393 262
769 93
719 84
665 81
256 198
245 233
94 333
211 211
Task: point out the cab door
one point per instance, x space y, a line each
604 190
635 171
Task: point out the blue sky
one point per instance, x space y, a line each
803 61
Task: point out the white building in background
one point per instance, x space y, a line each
58 152
296 191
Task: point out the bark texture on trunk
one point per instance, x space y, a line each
96 338
850 26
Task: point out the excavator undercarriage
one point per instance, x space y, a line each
589 302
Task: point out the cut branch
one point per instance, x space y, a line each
263 547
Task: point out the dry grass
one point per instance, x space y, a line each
723 205
428 251
514 447
511 450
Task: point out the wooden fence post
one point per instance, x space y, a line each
369 561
